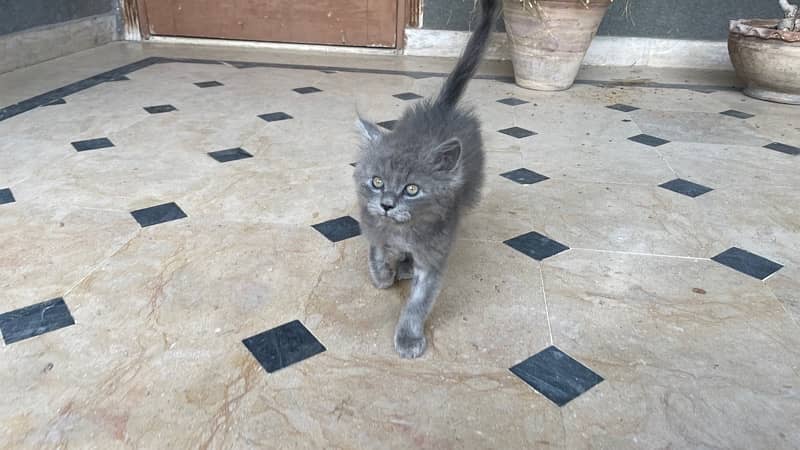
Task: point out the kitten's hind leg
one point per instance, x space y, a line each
382 267
405 268
409 337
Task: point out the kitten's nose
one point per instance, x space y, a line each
387 204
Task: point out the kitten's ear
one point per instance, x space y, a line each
447 154
368 130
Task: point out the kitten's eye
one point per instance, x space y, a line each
412 190
377 182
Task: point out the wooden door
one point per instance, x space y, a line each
362 23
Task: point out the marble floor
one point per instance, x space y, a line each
181 265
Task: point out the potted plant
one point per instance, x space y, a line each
549 39
766 55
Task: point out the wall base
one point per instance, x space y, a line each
604 51
35 45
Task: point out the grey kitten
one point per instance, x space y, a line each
414 183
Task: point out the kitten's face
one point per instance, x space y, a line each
402 181
393 196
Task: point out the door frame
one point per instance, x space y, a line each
134 15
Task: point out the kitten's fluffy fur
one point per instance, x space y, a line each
436 145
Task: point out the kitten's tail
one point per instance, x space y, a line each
473 53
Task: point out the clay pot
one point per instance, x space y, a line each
766 60
548 42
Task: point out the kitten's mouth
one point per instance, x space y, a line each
396 218
392 216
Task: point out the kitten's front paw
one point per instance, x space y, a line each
382 279
408 345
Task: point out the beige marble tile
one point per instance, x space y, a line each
614 217
395 408
616 162
724 166
503 211
693 355
704 127
676 101
572 127
18 164
86 115
47 251
734 100
765 221
122 178
784 284
278 195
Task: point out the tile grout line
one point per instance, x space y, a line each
563 426
35 172
546 308
480 241
91 208
94 268
770 276
663 158
656 255
782 304
613 183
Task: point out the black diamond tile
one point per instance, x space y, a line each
622 107
208 84
6 196
35 320
58 101
339 229
283 346
158 214
158 109
517 132
737 114
276 116
783 148
536 245
307 90
646 139
524 176
747 263
92 144
685 187
556 375
407 96
231 154
512 101
388 124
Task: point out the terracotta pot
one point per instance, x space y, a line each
548 42
766 60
